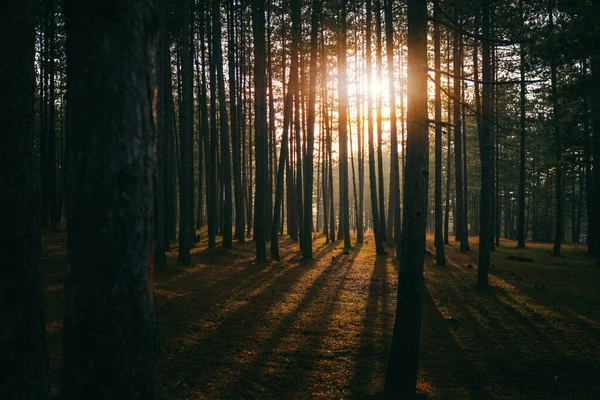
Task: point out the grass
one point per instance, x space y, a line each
230 327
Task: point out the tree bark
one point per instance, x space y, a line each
394 207
310 130
343 128
560 201
485 149
108 348
372 177
260 125
23 348
186 135
401 378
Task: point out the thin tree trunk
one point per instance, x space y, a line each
560 201
224 128
485 148
440 256
379 59
394 206
343 128
287 114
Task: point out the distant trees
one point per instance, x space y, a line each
23 348
108 347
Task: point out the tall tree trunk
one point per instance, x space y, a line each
159 175
589 177
461 228
379 60
211 170
521 219
23 345
224 127
372 177
343 128
448 151
560 201
401 378
272 131
310 135
440 256
394 207
360 155
204 127
235 131
596 132
110 199
50 167
186 137
485 149
287 115
260 126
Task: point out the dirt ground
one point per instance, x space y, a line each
230 327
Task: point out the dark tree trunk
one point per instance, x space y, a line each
379 60
310 131
440 256
372 177
394 206
521 219
461 226
235 130
22 332
186 135
343 128
110 202
204 127
287 116
485 149
213 146
596 132
448 151
260 126
159 174
50 167
589 177
272 131
560 201
224 127
401 378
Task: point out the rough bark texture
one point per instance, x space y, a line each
401 376
108 330
23 350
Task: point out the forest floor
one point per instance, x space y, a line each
230 327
